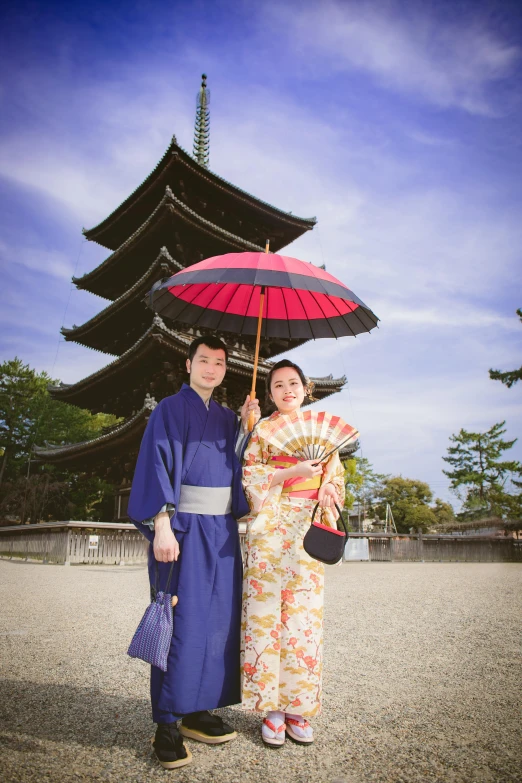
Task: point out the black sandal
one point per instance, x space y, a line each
206 727
169 748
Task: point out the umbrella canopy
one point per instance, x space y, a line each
298 300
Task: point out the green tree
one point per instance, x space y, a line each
479 476
443 511
352 481
362 483
509 377
409 500
30 417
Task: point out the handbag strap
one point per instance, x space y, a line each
340 517
157 577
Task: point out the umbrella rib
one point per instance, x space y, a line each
306 314
224 311
344 319
186 304
286 311
355 313
312 293
252 289
203 309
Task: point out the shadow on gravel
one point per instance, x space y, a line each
67 713
247 723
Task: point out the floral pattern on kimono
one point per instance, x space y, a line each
282 619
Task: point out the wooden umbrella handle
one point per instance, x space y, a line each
251 418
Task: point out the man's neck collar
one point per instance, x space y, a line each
203 394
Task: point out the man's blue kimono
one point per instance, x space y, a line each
186 443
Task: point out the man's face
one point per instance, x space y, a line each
207 369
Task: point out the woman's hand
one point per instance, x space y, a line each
327 496
307 469
166 547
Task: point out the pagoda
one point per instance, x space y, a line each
181 213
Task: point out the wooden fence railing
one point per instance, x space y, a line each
389 547
74 542
105 542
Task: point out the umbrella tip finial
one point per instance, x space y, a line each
267 246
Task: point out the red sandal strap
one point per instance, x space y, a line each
271 726
294 722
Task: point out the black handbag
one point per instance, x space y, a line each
325 543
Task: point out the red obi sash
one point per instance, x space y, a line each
297 487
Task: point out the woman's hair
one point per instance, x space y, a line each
287 363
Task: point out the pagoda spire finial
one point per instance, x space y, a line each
202 127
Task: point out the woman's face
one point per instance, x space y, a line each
287 390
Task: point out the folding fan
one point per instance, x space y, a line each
307 434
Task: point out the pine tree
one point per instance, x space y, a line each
479 477
510 377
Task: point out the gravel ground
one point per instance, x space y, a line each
422 680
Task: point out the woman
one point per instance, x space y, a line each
283 587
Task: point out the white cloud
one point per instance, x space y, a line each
405 48
446 315
102 141
55 263
428 139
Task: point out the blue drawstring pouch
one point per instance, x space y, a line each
151 642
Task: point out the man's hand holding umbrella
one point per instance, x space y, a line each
250 408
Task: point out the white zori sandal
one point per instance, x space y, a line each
273 729
298 729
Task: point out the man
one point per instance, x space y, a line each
186 496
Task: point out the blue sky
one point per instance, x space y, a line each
396 124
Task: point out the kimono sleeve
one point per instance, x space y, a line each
257 474
153 482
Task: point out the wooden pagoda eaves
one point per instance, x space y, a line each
205 192
186 234
117 327
159 356
112 444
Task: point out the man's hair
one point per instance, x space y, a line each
214 343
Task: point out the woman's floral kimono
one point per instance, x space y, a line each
282 622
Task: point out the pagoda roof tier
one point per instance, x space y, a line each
119 326
215 198
122 439
189 237
152 365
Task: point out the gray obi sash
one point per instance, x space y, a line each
212 501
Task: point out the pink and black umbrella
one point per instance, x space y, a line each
264 294
224 293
